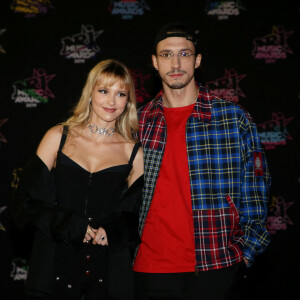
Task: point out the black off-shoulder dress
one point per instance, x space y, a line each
60 204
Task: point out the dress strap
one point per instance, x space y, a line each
63 137
134 152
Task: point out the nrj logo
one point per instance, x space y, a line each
278 218
31 8
272 47
19 269
128 8
227 87
223 9
81 46
139 80
273 132
33 90
1 48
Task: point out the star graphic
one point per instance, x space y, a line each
139 80
230 80
88 37
278 119
40 80
281 37
281 210
1 225
235 79
88 30
1 48
2 138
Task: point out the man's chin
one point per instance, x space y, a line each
178 85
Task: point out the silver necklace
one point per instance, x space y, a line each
102 131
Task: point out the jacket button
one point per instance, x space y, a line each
69 286
87 272
88 257
100 280
57 278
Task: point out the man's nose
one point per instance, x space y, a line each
175 61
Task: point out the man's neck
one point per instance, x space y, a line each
180 97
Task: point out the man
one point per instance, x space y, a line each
206 183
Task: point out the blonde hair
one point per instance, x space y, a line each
108 72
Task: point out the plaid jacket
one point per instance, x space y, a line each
229 178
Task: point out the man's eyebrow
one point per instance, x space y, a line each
168 50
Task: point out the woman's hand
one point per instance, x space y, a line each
100 237
90 234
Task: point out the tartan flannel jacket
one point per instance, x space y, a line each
229 178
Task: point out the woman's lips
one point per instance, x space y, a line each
109 110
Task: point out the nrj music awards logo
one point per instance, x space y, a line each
273 46
223 9
128 8
31 8
227 87
273 133
81 46
19 269
1 48
33 90
139 82
278 218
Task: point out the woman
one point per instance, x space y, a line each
82 191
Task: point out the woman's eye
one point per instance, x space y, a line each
102 91
122 94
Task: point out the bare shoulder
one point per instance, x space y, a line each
129 146
52 137
48 147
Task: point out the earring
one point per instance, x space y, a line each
90 99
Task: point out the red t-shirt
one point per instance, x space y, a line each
168 238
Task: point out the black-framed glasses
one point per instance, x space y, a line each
168 55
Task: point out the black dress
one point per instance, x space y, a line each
61 204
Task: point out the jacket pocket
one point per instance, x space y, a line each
218 237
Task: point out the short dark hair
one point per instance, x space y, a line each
176 29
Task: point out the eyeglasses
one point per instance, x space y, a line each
168 55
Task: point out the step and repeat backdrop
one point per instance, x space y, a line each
250 54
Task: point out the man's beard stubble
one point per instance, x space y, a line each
177 85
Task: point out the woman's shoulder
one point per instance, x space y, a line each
131 146
54 132
48 147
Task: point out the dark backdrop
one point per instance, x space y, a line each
250 56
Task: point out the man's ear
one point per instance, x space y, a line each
198 61
154 62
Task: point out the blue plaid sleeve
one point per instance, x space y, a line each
255 186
